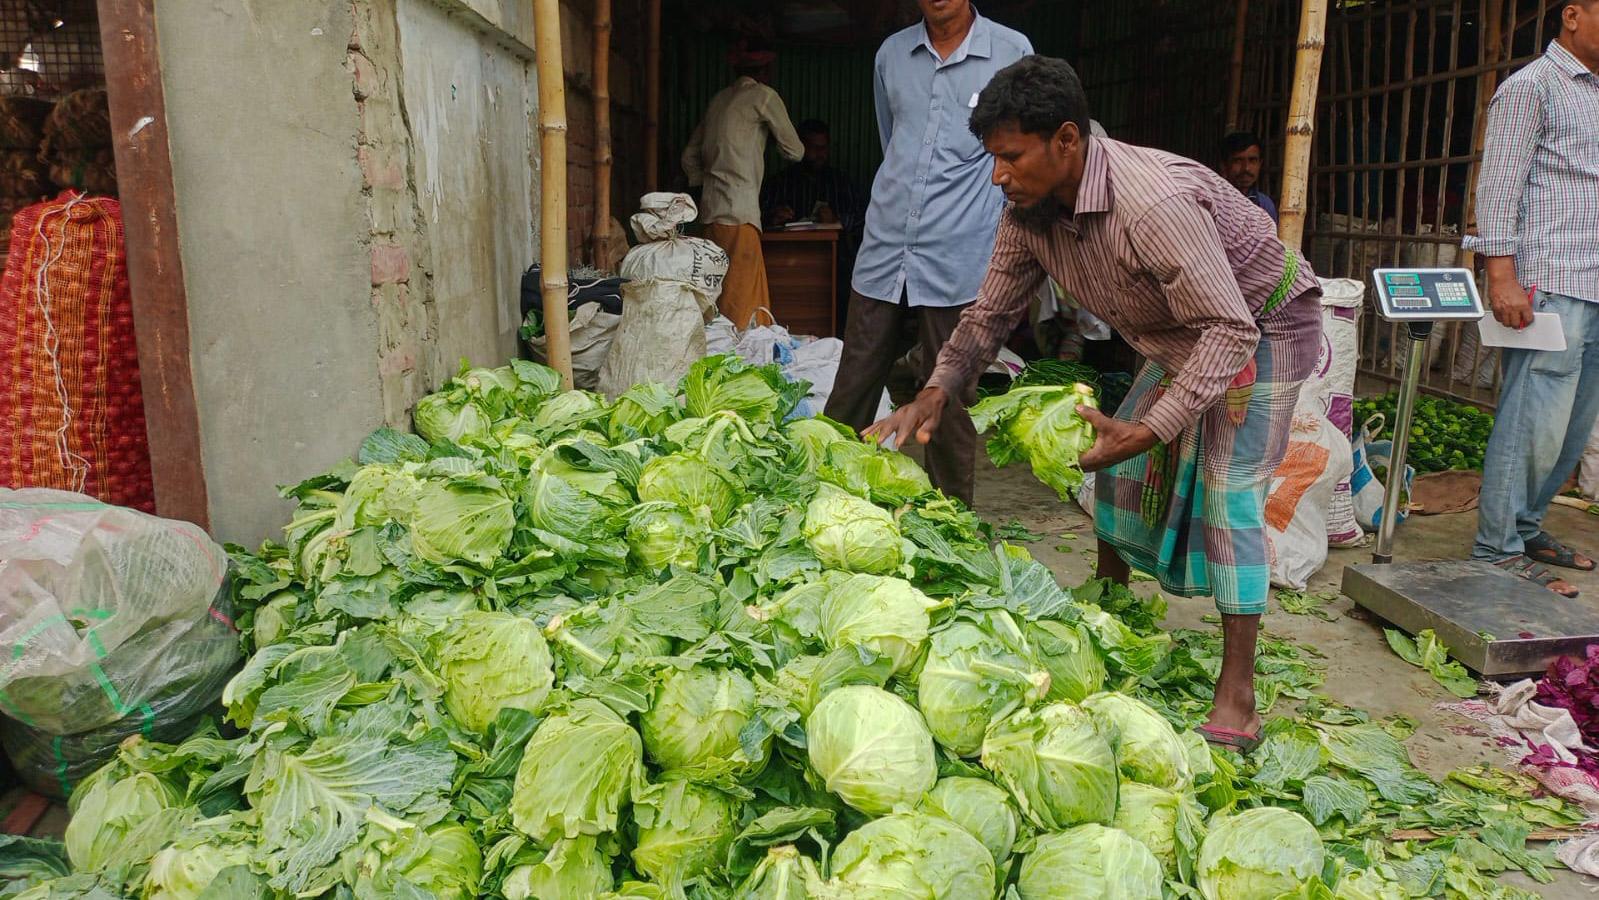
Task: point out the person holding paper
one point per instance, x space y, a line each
1538 227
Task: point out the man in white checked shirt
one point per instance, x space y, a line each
1538 226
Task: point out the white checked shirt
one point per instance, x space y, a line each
1538 194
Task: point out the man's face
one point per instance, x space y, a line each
1029 168
1243 169
943 12
818 150
1581 26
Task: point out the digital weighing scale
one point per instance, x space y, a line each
1496 623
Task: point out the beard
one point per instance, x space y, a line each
1039 217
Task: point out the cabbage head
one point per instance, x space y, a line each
451 416
887 616
1069 655
183 871
976 672
981 807
467 518
684 831
915 857
696 719
443 861
643 410
492 661
569 412
577 772
1056 765
451 865
871 748
1040 424
851 534
815 434
1169 823
572 868
784 874
882 475
759 394
691 483
105 810
661 535
1147 747
1258 854
1090 861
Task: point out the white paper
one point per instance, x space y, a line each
1544 333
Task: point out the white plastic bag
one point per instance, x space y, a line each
1369 491
1318 457
592 332
762 345
1332 387
673 284
721 336
817 363
115 623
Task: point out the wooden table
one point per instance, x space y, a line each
802 272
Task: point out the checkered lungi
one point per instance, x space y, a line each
1194 514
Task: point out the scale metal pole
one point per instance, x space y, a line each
1393 491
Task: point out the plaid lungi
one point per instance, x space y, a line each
1194 515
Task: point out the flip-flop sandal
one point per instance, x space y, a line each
1546 549
1524 567
1231 738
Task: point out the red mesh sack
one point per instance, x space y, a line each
71 415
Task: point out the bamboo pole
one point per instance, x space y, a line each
1235 80
1302 120
552 183
652 100
602 131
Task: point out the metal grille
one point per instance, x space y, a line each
49 48
1401 117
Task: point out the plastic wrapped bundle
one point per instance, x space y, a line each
118 625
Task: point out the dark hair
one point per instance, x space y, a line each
1037 94
1238 142
814 128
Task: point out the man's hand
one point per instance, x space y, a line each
916 420
1506 297
1114 440
780 216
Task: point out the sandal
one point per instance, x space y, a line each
1546 549
1231 738
1524 567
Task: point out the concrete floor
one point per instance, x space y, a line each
1361 670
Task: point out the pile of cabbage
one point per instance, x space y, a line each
679 646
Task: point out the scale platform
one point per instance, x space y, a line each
1495 623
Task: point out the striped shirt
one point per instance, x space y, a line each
1538 194
1167 252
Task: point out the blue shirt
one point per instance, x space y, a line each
1263 201
934 209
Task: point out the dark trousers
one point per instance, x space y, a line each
871 347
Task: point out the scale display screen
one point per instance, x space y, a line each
1427 294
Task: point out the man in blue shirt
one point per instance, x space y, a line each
1241 159
931 222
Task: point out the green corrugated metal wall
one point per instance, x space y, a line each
1155 74
827 83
